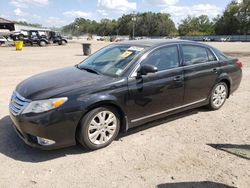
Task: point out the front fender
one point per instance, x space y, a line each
98 100
106 100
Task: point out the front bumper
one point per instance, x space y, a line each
54 125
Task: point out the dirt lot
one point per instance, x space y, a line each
173 151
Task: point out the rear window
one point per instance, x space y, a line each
197 54
194 54
211 56
220 55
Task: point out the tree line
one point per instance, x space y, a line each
145 24
234 20
28 24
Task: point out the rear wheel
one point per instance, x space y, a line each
98 128
42 43
218 96
63 42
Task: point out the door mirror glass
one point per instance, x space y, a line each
146 69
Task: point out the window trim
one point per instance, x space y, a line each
133 73
209 50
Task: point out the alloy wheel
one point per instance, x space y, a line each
219 95
102 127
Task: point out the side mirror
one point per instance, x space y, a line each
146 69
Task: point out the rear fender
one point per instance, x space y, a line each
222 77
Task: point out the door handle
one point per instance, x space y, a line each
177 78
215 70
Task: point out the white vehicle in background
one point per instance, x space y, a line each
6 41
5 37
20 35
225 39
2 40
206 39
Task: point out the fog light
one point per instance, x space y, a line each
45 141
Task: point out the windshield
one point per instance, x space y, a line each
111 60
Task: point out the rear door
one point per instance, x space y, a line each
201 69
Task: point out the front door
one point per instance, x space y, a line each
156 93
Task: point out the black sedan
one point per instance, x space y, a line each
119 87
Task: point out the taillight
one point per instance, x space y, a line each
239 63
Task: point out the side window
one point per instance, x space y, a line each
211 56
163 58
194 54
220 55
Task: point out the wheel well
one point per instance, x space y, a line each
123 122
42 40
228 86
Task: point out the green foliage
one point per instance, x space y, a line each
196 26
235 19
146 24
28 24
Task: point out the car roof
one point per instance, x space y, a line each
157 42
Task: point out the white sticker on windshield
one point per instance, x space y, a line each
118 72
135 48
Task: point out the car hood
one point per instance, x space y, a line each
51 84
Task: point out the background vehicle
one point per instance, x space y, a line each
225 39
6 40
40 37
119 87
208 39
56 37
3 40
32 37
20 35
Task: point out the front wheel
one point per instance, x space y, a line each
218 96
98 128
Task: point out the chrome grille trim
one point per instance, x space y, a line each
17 103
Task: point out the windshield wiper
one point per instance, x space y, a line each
89 70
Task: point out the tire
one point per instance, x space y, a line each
20 37
218 96
42 43
64 42
94 133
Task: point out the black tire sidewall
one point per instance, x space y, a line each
211 104
82 135
42 43
20 37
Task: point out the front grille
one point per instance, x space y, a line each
17 103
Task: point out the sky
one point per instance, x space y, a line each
57 13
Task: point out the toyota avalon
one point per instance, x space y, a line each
119 87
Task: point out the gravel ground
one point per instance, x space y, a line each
175 151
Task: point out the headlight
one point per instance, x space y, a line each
44 105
